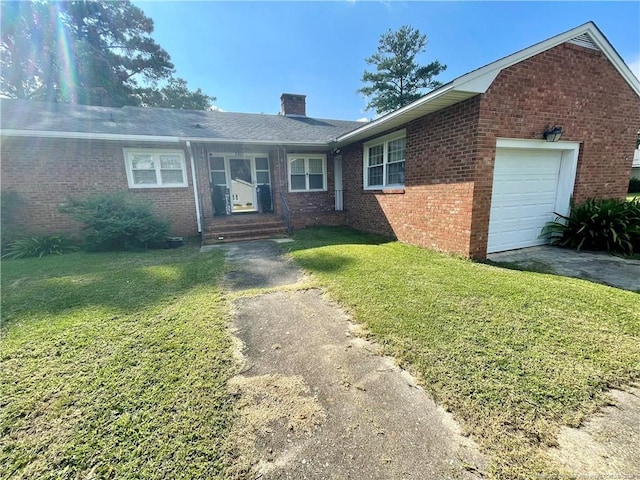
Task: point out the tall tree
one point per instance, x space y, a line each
90 52
398 79
176 94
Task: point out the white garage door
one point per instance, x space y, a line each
525 189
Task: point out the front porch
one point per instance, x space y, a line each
244 227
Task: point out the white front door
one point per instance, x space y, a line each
243 185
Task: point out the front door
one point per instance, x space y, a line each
243 186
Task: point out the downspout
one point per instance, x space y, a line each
195 184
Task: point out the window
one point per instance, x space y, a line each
384 160
155 168
307 173
217 170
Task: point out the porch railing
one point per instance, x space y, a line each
285 212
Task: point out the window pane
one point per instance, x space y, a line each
376 155
170 161
397 149
262 177
298 182
297 166
171 176
375 176
144 177
315 166
216 163
142 162
395 173
262 163
316 182
218 178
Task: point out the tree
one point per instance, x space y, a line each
398 79
176 95
89 52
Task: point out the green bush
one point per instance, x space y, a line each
39 246
118 221
634 185
10 203
611 225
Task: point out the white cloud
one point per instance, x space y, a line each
363 119
213 108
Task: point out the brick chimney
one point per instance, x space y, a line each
293 104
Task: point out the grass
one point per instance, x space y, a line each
115 366
513 354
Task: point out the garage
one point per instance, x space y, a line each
529 185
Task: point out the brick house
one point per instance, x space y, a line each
470 168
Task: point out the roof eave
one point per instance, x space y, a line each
154 138
478 81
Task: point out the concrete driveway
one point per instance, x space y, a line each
594 266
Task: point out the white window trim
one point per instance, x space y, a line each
306 157
384 140
155 153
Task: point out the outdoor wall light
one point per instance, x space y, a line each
552 134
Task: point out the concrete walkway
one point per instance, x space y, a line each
320 402
594 266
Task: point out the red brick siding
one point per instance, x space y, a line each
315 205
572 86
434 209
451 153
45 172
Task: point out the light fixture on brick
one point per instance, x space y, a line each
552 134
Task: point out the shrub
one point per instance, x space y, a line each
10 203
611 225
634 185
118 221
39 246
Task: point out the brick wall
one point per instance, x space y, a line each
446 201
45 172
434 209
568 85
307 208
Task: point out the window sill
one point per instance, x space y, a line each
386 191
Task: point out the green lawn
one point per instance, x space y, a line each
115 366
514 355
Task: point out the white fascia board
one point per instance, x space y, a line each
88 136
478 81
256 142
151 138
395 114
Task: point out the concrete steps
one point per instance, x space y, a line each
242 228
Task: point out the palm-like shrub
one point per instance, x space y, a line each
39 246
611 225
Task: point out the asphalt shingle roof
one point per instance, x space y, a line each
238 127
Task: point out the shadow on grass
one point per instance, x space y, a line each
122 282
314 237
318 237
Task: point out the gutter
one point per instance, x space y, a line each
195 185
151 138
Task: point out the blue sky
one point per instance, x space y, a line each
247 53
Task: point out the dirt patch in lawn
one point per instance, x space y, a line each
274 410
607 444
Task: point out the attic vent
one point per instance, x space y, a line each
584 40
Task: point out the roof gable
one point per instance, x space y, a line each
479 80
